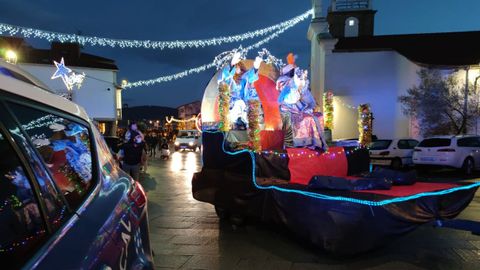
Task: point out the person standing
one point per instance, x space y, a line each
132 132
131 155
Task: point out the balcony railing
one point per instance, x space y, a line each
351 4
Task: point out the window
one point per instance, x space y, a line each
64 146
403 144
435 142
412 143
468 142
407 144
380 144
22 228
351 27
56 209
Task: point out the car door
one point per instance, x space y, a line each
469 147
405 151
476 151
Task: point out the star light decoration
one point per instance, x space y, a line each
69 78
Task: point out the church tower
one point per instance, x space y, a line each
351 18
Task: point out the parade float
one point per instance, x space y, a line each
264 158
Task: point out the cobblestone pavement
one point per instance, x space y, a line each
186 234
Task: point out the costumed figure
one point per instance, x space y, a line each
240 81
301 125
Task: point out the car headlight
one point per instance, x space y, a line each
177 143
190 143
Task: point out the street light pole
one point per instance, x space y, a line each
465 101
475 91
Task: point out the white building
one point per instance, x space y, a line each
99 93
359 67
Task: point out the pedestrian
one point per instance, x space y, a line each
131 154
152 142
132 132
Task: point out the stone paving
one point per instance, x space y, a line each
186 234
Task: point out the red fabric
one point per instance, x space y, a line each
268 95
271 139
305 163
419 187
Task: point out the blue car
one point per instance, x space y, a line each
64 203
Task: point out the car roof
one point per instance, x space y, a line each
21 74
42 95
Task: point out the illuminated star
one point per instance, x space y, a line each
62 71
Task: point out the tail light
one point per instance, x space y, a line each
446 150
417 150
384 153
137 195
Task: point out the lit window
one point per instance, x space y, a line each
351 22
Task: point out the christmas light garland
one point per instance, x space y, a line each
253 124
364 124
50 36
172 119
328 109
223 106
219 61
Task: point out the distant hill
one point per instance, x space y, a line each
148 113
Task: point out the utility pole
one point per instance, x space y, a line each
465 101
476 103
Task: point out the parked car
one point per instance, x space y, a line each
461 152
188 139
64 203
396 153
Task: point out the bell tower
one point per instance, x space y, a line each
351 18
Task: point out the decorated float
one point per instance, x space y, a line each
264 157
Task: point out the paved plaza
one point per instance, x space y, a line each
186 234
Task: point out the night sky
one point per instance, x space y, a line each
197 19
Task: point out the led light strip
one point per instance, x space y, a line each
199 69
50 36
341 198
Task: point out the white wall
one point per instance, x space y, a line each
377 78
94 96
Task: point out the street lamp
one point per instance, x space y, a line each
11 57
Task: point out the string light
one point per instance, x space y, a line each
328 109
172 119
340 198
50 36
43 121
225 56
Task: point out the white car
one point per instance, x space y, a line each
450 151
396 153
188 139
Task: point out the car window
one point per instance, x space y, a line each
468 142
56 208
403 144
64 147
435 142
379 144
22 228
412 143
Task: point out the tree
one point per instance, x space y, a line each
437 104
